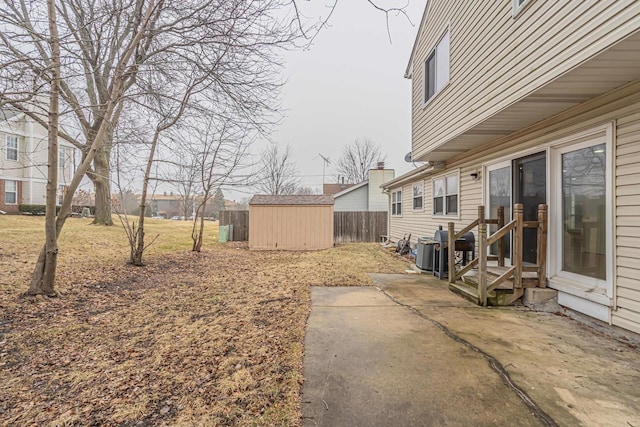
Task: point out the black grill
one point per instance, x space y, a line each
465 244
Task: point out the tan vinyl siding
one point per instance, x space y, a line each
494 62
288 227
627 187
422 223
621 108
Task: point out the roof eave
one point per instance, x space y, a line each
416 173
350 189
408 74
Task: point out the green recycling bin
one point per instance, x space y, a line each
223 234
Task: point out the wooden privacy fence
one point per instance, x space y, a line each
347 226
359 226
240 222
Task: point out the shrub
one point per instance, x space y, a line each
35 209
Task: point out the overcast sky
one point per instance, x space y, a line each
350 84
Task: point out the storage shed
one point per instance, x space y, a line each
290 222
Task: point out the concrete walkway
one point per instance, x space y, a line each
410 353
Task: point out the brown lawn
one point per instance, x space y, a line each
214 338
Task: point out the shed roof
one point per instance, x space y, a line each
263 199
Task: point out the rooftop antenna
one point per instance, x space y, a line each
327 161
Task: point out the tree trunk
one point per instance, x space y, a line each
102 184
44 274
198 227
138 242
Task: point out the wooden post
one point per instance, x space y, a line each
481 215
517 244
482 264
500 241
451 252
542 245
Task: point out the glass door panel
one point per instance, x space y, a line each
584 211
530 189
499 194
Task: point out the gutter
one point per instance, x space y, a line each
423 170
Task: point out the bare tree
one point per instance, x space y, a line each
357 158
221 161
279 173
110 47
305 191
48 260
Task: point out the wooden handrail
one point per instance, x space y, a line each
501 233
518 214
466 268
542 245
468 228
482 265
515 272
503 278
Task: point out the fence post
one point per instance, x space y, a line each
542 245
517 244
482 264
500 241
451 252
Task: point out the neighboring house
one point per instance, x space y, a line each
331 189
366 195
23 162
532 101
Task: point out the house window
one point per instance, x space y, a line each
396 203
417 197
61 191
445 195
12 148
518 5
436 68
62 157
11 192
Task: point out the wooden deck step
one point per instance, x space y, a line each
497 297
471 279
468 292
529 278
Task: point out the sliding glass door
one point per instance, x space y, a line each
499 194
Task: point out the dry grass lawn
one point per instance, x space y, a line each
214 338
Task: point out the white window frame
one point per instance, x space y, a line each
486 170
441 53
447 193
415 198
519 6
562 280
12 139
6 191
60 194
396 201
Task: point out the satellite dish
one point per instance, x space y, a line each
408 157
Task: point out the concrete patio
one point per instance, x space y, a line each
409 352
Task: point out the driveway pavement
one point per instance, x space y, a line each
410 353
